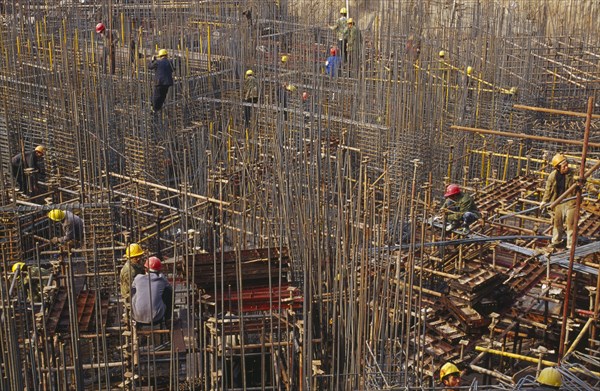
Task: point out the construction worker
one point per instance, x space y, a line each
32 161
250 92
462 209
30 277
559 180
450 377
130 270
333 63
548 379
163 78
110 39
341 28
72 227
151 296
353 47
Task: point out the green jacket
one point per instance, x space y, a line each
341 27
128 273
551 192
464 203
354 39
250 88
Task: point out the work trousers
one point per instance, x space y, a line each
159 96
563 214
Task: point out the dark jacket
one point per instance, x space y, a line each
31 161
163 74
149 294
72 227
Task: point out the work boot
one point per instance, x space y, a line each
560 244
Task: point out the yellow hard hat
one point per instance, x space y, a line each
163 53
343 11
558 159
284 59
56 215
442 53
449 369
41 149
550 377
469 70
17 266
291 87
134 250
249 72
350 21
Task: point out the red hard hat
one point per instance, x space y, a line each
332 51
100 27
305 95
153 263
451 190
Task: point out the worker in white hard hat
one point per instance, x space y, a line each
559 180
163 78
250 92
30 160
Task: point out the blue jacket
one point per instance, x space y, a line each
147 292
163 74
332 65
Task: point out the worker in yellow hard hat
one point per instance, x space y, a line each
27 180
132 267
163 78
549 379
250 93
559 180
30 278
72 226
353 47
341 29
450 376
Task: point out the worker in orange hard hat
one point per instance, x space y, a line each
30 160
461 208
110 38
450 376
559 180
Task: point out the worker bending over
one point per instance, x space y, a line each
30 277
72 226
461 207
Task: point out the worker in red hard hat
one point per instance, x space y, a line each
333 63
559 180
460 207
151 296
110 38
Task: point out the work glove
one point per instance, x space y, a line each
54 240
543 205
